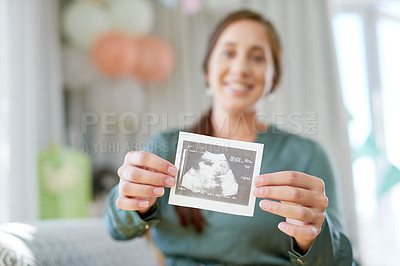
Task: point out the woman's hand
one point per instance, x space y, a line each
302 202
143 177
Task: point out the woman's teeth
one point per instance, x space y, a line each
238 87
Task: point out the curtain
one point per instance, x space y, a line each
32 117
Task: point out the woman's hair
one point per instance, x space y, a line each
192 216
272 36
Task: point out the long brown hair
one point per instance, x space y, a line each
192 216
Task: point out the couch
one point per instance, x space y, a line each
70 242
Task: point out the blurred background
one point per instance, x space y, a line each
82 82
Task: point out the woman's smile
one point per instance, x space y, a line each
237 88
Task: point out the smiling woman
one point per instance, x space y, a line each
292 224
240 71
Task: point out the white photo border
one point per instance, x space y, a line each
213 205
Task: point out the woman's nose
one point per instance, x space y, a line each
240 65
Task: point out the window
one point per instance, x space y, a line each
367 42
388 33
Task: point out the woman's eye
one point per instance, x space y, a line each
258 58
227 54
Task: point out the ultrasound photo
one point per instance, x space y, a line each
216 174
211 175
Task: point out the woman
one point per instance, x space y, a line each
292 224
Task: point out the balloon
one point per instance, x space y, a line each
132 16
83 22
115 54
78 72
191 7
156 60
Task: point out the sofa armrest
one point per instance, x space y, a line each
69 242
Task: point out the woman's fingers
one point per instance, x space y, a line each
147 169
131 204
294 187
290 178
300 196
303 203
145 176
304 232
139 190
150 160
296 212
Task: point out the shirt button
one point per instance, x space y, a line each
146 227
300 261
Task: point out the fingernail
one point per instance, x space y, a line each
282 226
257 191
265 204
170 181
258 181
172 170
158 191
144 204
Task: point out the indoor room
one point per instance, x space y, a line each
94 93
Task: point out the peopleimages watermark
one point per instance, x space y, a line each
132 123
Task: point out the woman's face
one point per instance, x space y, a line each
240 69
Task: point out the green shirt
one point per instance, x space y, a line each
230 239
